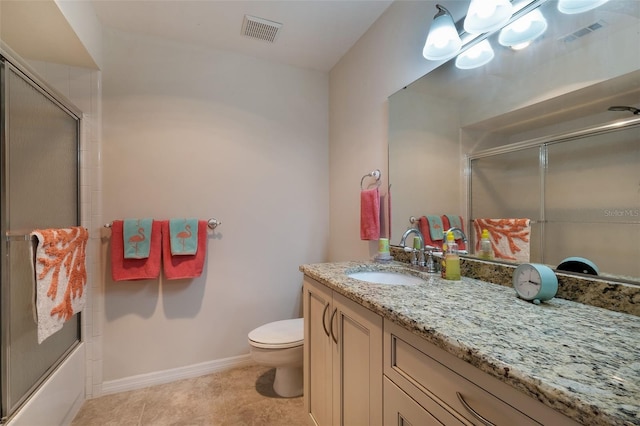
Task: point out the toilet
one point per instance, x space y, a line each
279 344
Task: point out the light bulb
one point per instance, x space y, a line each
443 40
487 15
524 30
476 56
571 7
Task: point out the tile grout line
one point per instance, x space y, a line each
144 404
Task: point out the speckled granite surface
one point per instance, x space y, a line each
596 291
581 360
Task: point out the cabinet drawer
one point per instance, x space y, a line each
400 409
446 386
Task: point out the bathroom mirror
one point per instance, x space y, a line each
560 85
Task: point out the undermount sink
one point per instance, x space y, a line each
386 278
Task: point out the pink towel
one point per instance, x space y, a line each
135 269
184 266
369 214
389 213
425 230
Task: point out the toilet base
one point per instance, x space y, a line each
288 381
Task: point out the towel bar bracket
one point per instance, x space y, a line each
213 223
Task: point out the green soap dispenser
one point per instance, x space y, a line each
452 259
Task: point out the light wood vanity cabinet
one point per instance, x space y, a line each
342 359
451 390
359 370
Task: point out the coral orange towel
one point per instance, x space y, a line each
184 266
369 214
509 237
135 269
60 277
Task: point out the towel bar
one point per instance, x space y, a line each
18 237
212 223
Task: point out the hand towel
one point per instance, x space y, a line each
369 214
137 238
184 266
184 241
431 229
389 212
60 275
123 269
385 215
509 237
452 221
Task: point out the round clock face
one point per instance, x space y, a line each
535 282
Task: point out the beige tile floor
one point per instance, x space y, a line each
241 396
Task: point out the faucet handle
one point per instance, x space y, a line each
414 258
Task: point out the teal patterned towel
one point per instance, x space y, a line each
454 221
136 234
435 227
184 236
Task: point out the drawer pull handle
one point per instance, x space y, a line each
333 336
473 412
324 315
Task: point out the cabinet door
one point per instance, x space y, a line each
357 364
318 346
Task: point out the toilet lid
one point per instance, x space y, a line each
278 334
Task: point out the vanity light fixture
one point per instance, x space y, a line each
443 41
476 56
485 16
571 7
523 31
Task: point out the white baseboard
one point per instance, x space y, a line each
166 376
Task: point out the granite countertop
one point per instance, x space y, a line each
581 360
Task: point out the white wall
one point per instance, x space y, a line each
189 132
82 18
385 59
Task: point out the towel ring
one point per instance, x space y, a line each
374 174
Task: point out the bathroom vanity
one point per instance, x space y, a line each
465 352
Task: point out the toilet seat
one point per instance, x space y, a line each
278 335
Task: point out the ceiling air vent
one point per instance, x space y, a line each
259 28
582 31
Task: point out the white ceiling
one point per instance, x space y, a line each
315 34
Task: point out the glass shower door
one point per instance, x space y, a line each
39 178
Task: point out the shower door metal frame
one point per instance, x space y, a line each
542 143
10 61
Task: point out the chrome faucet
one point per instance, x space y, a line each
413 250
408 232
462 235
